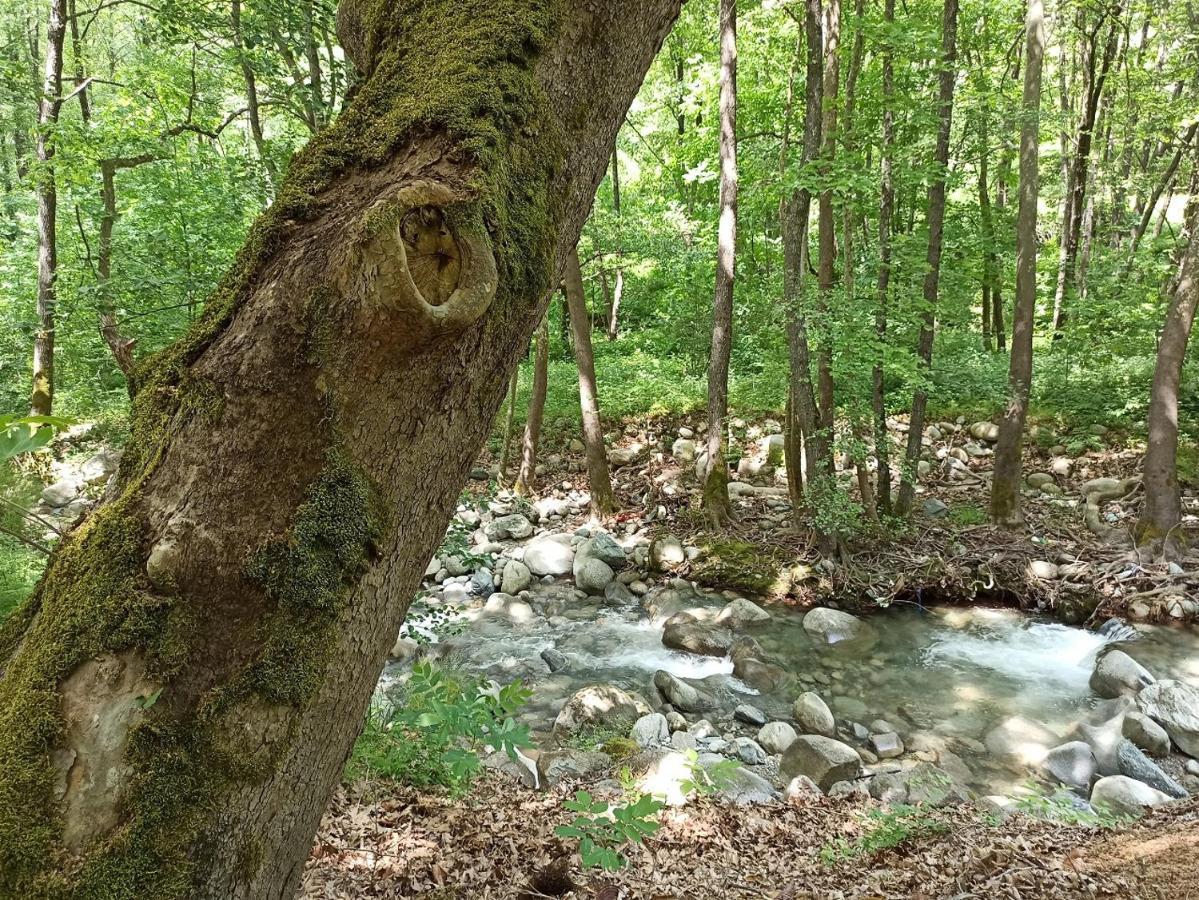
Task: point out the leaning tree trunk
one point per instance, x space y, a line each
526 476
603 501
1158 526
181 690
716 480
1005 485
42 400
936 224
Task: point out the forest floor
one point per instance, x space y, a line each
499 843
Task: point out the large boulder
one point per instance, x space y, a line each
813 715
680 694
1117 674
1125 796
1174 706
683 632
831 626
776 737
985 431
549 554
556 766
514 577
1072 764
1146 734
824 760
741 612
650 731
1135 764
505 528
666 552
603 547
599 705
592 574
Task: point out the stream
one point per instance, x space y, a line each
943 677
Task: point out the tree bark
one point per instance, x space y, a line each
826 229
295 459
716 490
936 224
253 110
509 420
613 329
1158 526
603 501
42 400
794 227
1006 482
120 346
526 477
886 210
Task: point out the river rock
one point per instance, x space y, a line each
1072 764
1037 480
776 737
749 751
1174 706
683 449
832 626
1135 764
675 721
886 745
889 788
1043 570
592 575
1125 796
1104 740
482 584
750 715
515 577
1117 674
556 766
650 731
762 676
60 493
508 528
813 715
601 546
1019 741
599 705
985 431
618 594
683 740
683 632
824 760
1146 734
741 612
555 660
549 554
741 787
666 552
680 694
100 465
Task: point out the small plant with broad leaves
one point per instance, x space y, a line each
886 829
21 434
707 780
436 736
603 829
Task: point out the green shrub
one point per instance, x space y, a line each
886 829
602 829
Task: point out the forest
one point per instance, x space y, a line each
599 449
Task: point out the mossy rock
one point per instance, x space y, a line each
743 566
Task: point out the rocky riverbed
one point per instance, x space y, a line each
632 667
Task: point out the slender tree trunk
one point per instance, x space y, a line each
1096 76
526 477
295 459
886 208
826 229
998 329
603 501
509 421
1159 188
716 489
42 401
1005 484
81 92
794 227
613 329
120 346
253 110
936 224
1158 527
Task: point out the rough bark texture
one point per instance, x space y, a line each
1158 526
295 458
42 400
936 225
603 501
526 477
794 227
1005 484
716 491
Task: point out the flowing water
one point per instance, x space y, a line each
944 677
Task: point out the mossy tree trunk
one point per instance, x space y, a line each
1005 485
178 696
603 500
